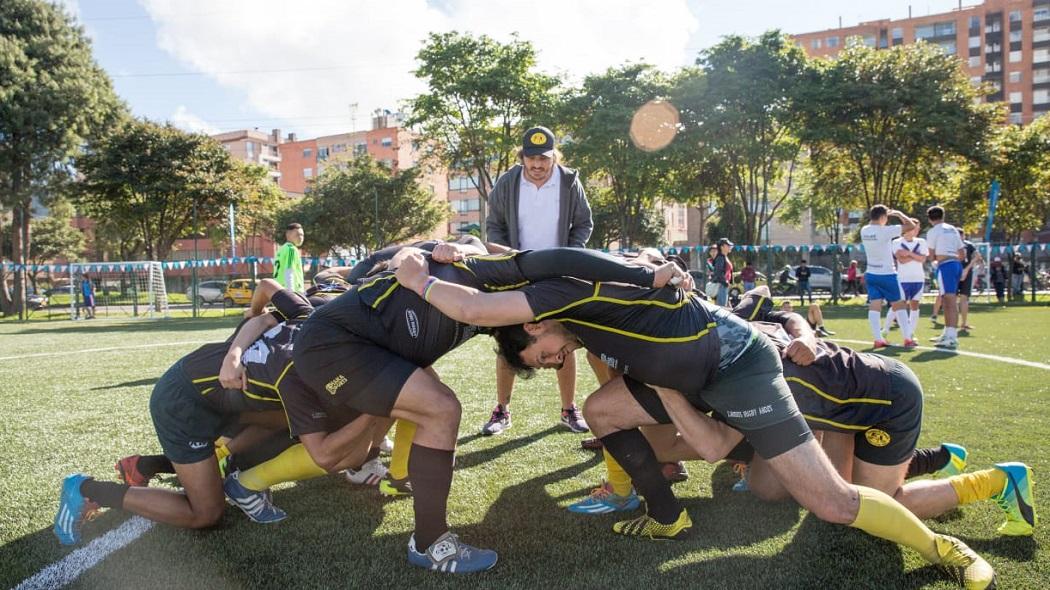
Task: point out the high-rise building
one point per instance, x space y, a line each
255 147
1004 43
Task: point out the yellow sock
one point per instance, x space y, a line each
617 477
404 432
221 452
291 465
884 517
979 485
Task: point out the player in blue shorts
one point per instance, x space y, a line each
880 273
911 253
946 247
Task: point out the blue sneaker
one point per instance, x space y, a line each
71 508
450 556
257 505
956 462
604 500
1017 500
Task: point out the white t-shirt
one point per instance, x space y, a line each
878 248
911 271
944 240
538 211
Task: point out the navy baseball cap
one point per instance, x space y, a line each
538 141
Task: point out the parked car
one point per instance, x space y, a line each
820 278
238 292
735 290
59 290
208 292
35 300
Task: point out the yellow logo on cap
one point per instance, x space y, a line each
538 138
877 438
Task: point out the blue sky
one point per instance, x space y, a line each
300 66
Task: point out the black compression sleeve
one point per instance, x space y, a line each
588 265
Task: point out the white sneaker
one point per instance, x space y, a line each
369 474
387 446
947 343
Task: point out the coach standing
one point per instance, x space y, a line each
288 265
538 204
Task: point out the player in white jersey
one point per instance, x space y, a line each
880 273
911 253
946 247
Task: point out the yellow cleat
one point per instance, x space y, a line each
964 566
647 526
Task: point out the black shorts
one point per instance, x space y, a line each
966 286
186 425
345 369
752 396
892 440
307 412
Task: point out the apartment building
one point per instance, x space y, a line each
1002 43
255 147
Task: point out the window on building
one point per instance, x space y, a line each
947 47
993 48
360 148
1015 16
993 27
322 153
1040 34
308 172
923 32
250 148
1015 36
461 183
992 67
944 29
869 40
1015 98
1015 77
975 23
1041 55
308 152
1015 118
975 80
387 141
897 33
1015 57
815 44
466 205
975 62
1041 14
833 42
975 42
1041 76
1040 96
339 147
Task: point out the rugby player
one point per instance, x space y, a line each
947 249
369 348
671 339
190 410
880 275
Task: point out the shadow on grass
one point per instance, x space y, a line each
480 456
136 383
135 326
932 355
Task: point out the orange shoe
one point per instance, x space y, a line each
128 472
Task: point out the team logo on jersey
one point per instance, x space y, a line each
334 385
877 438
413 323
198 445
613 362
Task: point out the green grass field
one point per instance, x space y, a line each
72 407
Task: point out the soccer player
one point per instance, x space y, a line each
880 275
911 253
670 338
369 350
947 249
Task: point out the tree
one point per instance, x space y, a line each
893 117
597 117
482 95
746 114
648 231
146 178
55 237
340 211
259 203
53 96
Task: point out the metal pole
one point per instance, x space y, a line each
193 272
233 234
379 241
1031 269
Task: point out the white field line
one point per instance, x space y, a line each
70 567
980 355
106 349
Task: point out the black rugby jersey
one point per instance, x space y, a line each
663 337
266 362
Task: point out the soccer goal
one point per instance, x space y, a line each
119 289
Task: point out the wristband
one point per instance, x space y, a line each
424 291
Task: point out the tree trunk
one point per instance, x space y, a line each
20 246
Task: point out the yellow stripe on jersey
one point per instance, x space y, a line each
848 400
758 306
833 423
375 304
595 297
645 337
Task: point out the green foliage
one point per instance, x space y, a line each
744 111
481 96
145 178
340 210
598 116
648 231
53 96
881 119
54 237
258 205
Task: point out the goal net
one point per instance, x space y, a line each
119 289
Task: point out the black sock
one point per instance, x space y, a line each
431 473
633 452
372 454
107 494
150 465
927 461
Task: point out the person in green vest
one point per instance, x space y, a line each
288 265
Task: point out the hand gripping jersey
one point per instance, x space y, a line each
911 271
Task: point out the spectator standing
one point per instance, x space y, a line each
1017 271
748 275
970 263
852 279
87 295
288 265
538 204
723 271
710 286
999 274
802 274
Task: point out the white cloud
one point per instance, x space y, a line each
187 121
335 53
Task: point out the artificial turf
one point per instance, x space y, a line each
73 407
